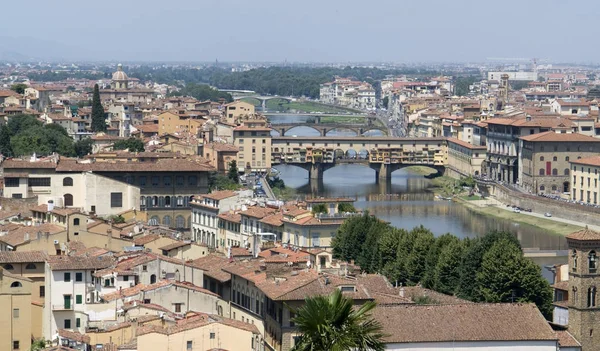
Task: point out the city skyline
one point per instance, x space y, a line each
270 31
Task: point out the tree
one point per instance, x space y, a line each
5 147
433 256
233 173
332 323
507 276
446 274
468 288
98 119
132 144
116 219
416 259
346 207
319 208
385 101
38 345
83 147
351 235
19 88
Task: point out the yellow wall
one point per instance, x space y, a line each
169 122
225 337
15 329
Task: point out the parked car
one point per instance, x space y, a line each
548 214
517 210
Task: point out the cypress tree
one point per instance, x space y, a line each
98 120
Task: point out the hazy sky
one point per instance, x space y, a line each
305 30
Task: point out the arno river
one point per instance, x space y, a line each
407 201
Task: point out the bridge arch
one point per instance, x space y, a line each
289 132
363 154
351 154
339 153
374 132
343 130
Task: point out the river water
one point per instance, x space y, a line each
407 201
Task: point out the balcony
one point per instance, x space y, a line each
62 307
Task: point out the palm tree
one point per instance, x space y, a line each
331 323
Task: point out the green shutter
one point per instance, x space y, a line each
78 299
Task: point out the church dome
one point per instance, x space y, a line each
119 74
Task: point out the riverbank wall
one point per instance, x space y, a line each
574 212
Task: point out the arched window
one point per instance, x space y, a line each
9 267
542 188
567 158
68 181
591 301
554 158
154 201
542 171
142 201
541 158
555 171
554 188
179 222
30 266
167 201
179 201
153 279
592 261
154 220
16 285
167 221
68 200
574 255
566 171
75 221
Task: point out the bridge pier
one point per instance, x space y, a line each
324 132
316 170
264 105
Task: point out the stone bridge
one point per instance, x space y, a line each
324 128
383 154
263 99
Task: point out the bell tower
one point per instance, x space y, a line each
584 280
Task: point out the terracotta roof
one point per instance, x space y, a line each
231 217
22 256
584 234
160 165
212 264
175 245
220 195
257 212
27 164
274 219
565 339
551 136
222 147
147 128
67 334
465 144
589 161
23 234
197 321
467 322
145 239
562 285
135 290
62 263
